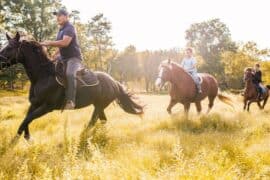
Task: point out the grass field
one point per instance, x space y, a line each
226 144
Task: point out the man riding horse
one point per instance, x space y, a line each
69 52
189 64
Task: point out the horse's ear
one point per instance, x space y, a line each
8 37
17 37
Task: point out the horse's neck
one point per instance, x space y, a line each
249 87
180 77
34 66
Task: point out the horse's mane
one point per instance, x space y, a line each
46 66
172 65
249 69
35 44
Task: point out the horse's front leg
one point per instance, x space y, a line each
35 113
245 104
186 109
26 132
248 105
170 106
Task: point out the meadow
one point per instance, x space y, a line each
226 144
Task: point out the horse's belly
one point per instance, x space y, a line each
85 96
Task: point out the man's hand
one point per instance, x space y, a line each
45 43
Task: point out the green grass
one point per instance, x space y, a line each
225 144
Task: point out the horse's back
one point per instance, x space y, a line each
209 84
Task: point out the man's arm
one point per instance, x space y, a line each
60 43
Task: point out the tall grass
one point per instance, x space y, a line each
225 144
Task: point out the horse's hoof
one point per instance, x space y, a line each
27 137
29 140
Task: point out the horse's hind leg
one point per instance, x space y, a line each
211 103
102 116
94 118
264 102
198 107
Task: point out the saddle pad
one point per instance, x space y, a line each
84 77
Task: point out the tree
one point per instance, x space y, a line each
126 66
33 17
210 39
246 56
99 29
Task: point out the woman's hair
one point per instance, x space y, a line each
189 49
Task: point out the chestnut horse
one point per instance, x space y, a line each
184 89
251 93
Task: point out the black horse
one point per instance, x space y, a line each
46 94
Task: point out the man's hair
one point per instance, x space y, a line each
257 65
189 49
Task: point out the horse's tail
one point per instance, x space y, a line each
226 100
126 102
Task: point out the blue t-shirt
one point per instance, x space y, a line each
73 49
189 64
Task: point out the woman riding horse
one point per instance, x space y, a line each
184 89
251 93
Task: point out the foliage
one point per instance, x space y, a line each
222 144
99 29
33 17
211 38
234 63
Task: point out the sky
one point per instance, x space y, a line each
161 24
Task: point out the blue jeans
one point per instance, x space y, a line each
196 79
73 66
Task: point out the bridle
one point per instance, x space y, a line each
8 63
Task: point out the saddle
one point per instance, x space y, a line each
84 76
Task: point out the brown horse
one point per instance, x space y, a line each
251 93
184 90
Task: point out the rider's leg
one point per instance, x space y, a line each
197 81
259 89
73 65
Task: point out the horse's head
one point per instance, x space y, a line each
248 74
9 53
164 74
